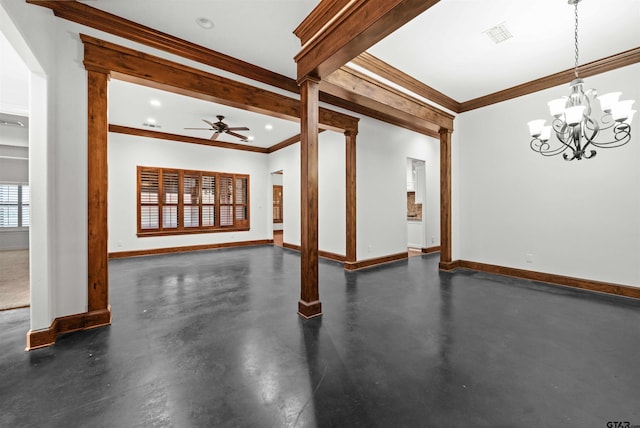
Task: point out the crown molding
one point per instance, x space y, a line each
603 65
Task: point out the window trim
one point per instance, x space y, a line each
161 230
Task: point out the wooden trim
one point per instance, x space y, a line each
392 74
376 261
430 250
448 266
387 98
609 63
351 219
332 94
288 142
324 254
70 323
566 281
335 33
171 250
97 185
152 71
445 195
318 18
191 231
183 138
309 89
92 17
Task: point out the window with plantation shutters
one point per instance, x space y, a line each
14 205
173 201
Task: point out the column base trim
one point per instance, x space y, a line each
309 310
375 261
430 250
67 324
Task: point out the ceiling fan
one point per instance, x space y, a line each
220 127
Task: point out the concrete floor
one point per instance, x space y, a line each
212 339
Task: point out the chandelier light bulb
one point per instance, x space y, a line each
608 100
535 127
621 110
573 115
557 106
545 133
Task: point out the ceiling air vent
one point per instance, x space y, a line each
151 125
499 33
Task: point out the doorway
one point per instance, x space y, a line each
14 179
277 184
416 199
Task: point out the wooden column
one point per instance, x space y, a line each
445 198
309 305
98 272
350 160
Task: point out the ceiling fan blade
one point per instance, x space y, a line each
209 123
208 129
238 128
242 137
214 136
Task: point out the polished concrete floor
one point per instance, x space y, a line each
212 339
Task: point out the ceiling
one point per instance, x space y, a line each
445 48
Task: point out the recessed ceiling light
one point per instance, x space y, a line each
151 120
268 127
250 138
155 103
499 33
205 23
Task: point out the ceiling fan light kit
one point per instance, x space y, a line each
574 125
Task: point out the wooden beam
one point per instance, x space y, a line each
622 59
335 32
387 98
84 14
392 74
97 184
445 196
286 143
375 110
140 68
351 218
183 138
309 305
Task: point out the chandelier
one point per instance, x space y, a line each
574 124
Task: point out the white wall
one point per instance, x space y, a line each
382 152
576 218
287 160
32 33
126 152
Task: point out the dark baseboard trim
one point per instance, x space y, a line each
567 281
84 321
170 250
323 254
430 250
375 261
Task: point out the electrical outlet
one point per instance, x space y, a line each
369 248
433 240
528 257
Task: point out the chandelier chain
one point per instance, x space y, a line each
576 40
